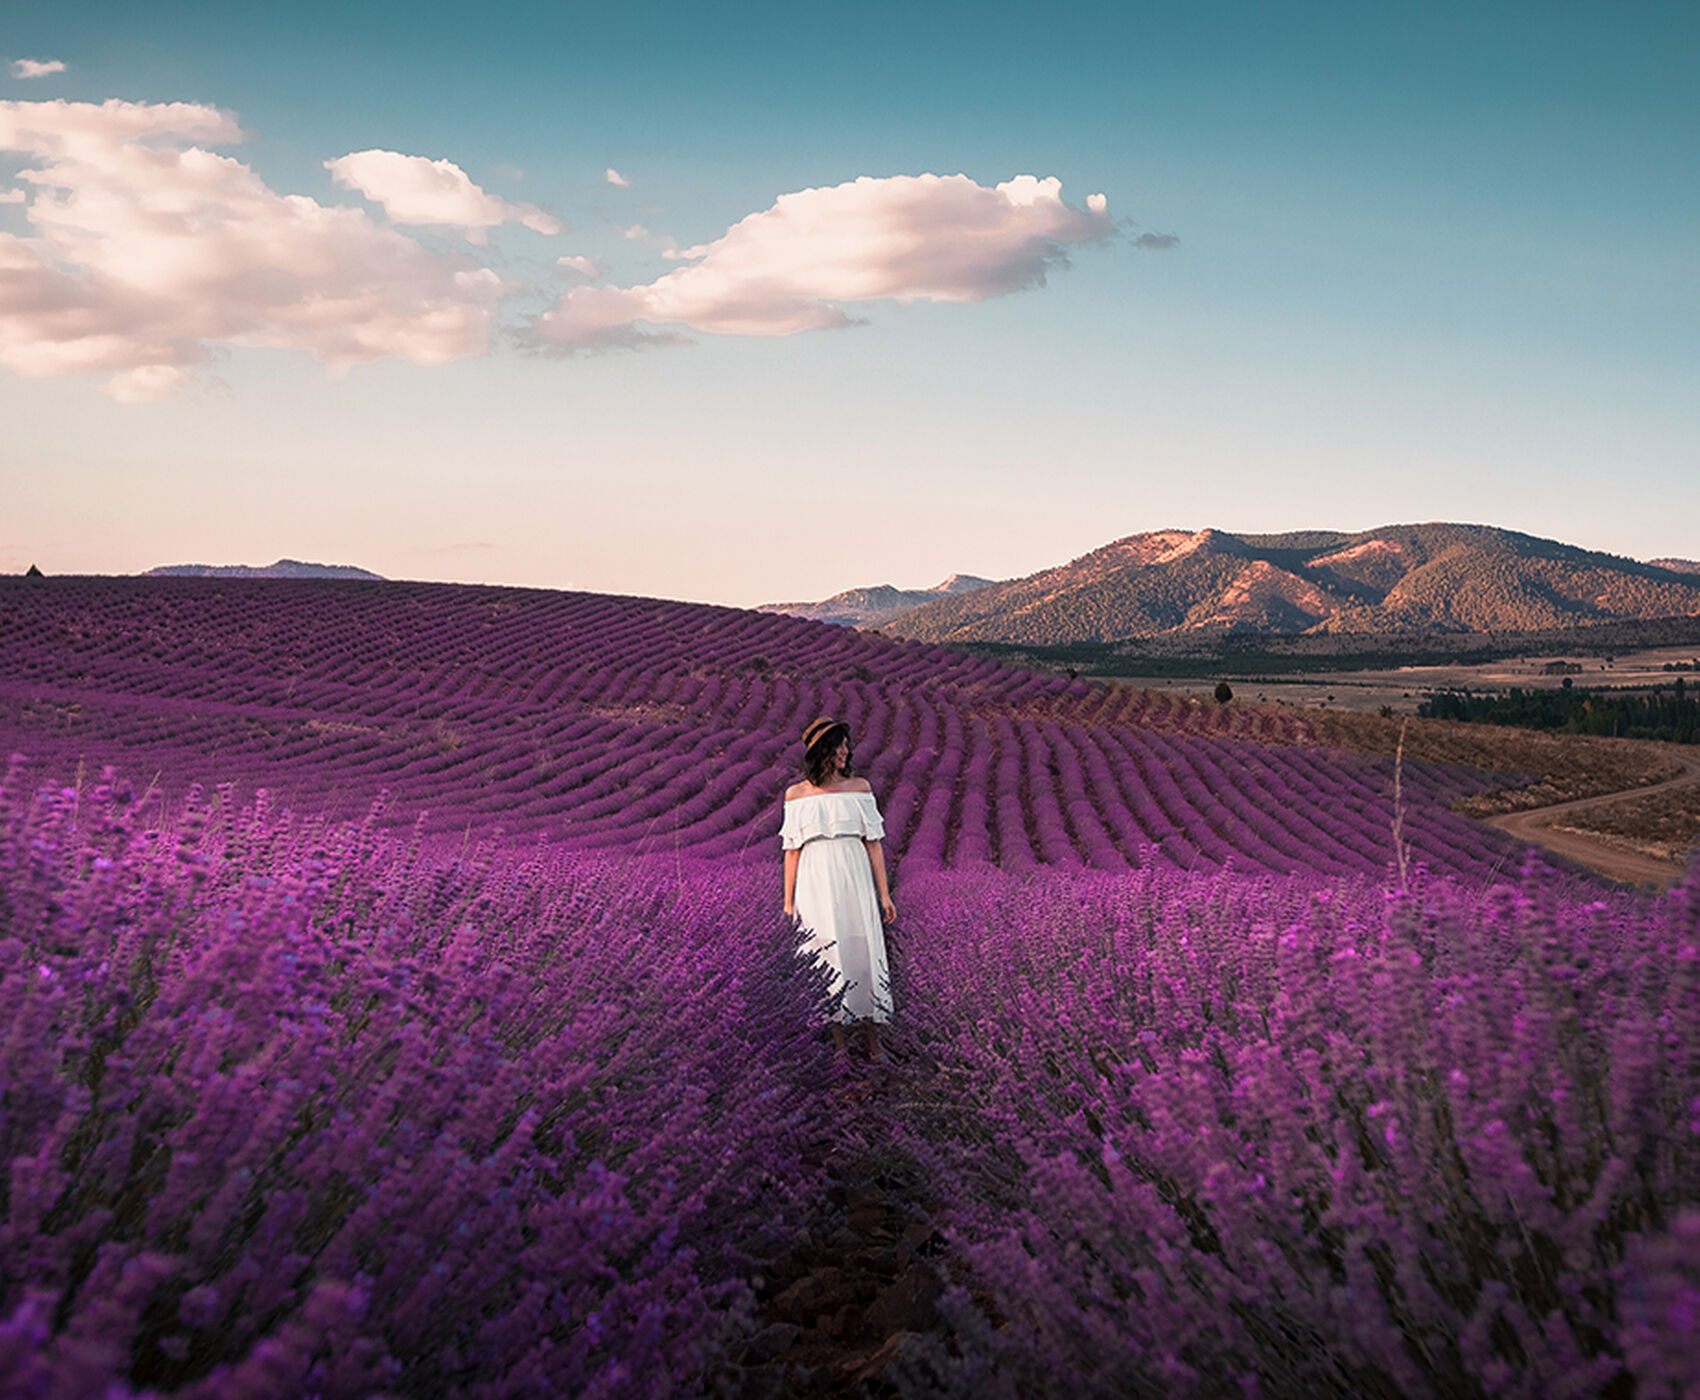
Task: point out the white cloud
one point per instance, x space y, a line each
418 190
666 244
584 266
147 383
790 268
148 251
36 67
613 177
12 196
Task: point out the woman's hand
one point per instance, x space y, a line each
790 911
888 910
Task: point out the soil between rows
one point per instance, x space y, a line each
849 1307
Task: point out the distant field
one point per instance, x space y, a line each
1401 688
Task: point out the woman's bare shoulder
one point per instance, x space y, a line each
808 789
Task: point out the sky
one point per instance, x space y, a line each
758 302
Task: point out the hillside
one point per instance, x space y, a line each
1436 578
631 725
873 607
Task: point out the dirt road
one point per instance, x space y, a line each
1605 857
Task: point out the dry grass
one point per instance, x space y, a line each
1558 767
1663 824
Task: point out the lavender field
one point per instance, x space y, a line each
635 726
394 1000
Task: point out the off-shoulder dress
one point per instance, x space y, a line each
835 897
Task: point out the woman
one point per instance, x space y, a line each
835 880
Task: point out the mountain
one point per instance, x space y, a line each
872 607
284 568
1401 578
1677 566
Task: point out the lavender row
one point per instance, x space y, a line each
608 722
591 777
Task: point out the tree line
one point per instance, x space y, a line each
1671 712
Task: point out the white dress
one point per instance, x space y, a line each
836 900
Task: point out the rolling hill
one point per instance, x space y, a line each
637 726
1439 578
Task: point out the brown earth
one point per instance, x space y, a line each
1565 828
848 1308
1659 823
1626 808
1542 768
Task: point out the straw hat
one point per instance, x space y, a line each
821 730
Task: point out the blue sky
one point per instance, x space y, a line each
1424 263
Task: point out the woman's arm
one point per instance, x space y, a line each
791 859
876 858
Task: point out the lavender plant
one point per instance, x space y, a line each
1292 1137
294 1110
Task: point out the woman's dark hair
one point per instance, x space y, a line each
817 762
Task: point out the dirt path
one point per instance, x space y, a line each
1598 853
848 1308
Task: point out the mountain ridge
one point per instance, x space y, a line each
1435 577
873 606
283 568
